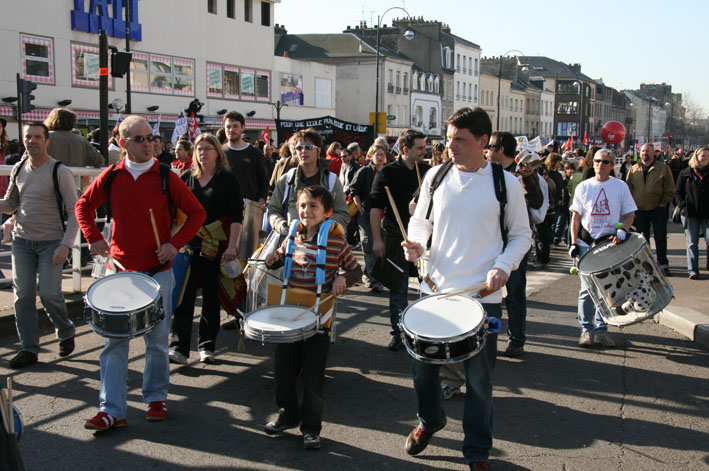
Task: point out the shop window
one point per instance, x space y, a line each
37 56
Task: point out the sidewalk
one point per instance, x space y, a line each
688 313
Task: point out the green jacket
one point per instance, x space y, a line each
280 223
657 188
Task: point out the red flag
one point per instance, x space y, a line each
266 136
567 145
194 127
585 138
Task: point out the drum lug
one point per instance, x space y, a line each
448 351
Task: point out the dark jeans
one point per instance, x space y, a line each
309 357
561 224
516 304
205 272
477 410
544 237
398 301
658 219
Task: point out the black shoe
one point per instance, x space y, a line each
395 344
279 425
417 441
377 287
514 351
666 271
66 346
22 359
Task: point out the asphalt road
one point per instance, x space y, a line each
643 405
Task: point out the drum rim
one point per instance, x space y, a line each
606 242
124 274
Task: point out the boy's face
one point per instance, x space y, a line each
311 211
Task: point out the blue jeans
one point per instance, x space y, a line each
477 411
693 228
658 219
156 374
365 237
560 224
398 301
31 258
516 303
587 311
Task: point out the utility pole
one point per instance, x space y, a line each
128 104
103 93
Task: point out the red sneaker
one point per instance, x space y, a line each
157 410
103 422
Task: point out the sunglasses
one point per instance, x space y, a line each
606 162
139 139
305 147
493 146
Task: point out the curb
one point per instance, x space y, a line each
74 304
688 322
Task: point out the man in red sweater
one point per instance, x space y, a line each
135 190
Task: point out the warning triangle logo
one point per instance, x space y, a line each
600 207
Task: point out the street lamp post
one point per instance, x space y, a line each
409 34
580 85
499 82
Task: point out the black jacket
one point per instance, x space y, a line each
692 194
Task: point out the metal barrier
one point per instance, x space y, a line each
83 177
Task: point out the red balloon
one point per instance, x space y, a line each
613 132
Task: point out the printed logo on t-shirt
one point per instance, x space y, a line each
600 214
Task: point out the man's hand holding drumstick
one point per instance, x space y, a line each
165 252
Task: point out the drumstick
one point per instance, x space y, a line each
155 228
418 173
396 213
304 311
10 409
118 264
5 415
463 291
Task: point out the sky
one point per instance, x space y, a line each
625 43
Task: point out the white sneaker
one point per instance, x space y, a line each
205 356
177 357
586 339
449 391
604 339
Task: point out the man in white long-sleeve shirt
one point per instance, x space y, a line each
467 250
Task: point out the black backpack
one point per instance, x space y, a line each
498 177
57 194
164 177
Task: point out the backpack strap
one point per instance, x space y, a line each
437 179
16 169
165 186
58 194
498 178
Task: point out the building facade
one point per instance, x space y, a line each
467 73
169 68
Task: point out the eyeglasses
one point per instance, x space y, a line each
205 149
304 147
493 146
605 162
139 139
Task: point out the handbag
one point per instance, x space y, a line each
677 215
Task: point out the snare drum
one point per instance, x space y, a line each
277 324
123 305
440 330
624 281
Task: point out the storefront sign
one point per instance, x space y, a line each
98 18
331 129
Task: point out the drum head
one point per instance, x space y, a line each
233 268
280 319
123 292
438 317
606 254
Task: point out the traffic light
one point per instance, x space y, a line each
26 97
120 63
670 139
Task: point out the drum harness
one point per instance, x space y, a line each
320 260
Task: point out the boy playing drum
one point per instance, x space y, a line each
315 205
